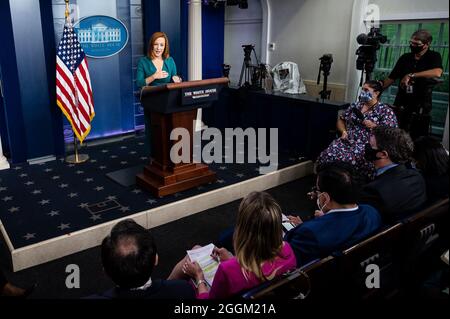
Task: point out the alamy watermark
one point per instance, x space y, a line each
223 149
73 279
373 279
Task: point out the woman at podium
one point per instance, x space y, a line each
157 68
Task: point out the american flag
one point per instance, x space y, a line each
73 84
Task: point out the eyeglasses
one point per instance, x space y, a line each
315 190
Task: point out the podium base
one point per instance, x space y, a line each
76 159
161 183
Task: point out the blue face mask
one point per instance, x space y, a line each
365 96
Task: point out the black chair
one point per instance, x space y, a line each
375 256
307 282
424 239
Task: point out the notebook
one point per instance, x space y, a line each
208 264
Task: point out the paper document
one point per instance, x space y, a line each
444 257
287 225
208 264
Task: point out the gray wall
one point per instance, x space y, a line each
303 30
400 9
241 27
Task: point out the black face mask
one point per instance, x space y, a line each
416 48
370 154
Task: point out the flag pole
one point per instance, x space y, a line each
76 158
67 9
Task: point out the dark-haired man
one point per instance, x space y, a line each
397 190
416 71
129 256
342 221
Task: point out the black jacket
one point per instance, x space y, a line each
160 289
397 193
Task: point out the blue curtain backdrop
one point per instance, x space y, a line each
213 25
31 124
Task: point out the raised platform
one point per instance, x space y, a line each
52 210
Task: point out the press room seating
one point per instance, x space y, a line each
402 253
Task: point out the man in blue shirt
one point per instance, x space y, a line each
340 222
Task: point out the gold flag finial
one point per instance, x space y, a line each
67 9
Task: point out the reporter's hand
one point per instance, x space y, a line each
344 135
221 254
160 74
369 124
295 220
192 269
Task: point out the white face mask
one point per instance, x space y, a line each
318 204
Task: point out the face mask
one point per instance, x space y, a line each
365 96
416 48
318 203
370 154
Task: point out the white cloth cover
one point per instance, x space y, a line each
287 79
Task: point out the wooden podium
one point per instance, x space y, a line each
171 106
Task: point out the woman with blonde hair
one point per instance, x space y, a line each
261 253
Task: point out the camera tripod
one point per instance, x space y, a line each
325 66
250 73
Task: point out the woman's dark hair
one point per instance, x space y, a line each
376 86
430 155
129 254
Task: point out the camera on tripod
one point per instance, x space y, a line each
367 52
248 49
325 66
325 63
253 74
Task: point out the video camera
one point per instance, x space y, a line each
252 74
367 52
248 48
325 65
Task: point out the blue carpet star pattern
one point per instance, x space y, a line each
43 201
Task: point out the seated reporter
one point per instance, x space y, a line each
339 223
355 126
129 257
261 253
397 190
432 159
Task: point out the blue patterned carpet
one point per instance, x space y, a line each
43 201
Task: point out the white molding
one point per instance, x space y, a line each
4 164
43 159
74 242
265 38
